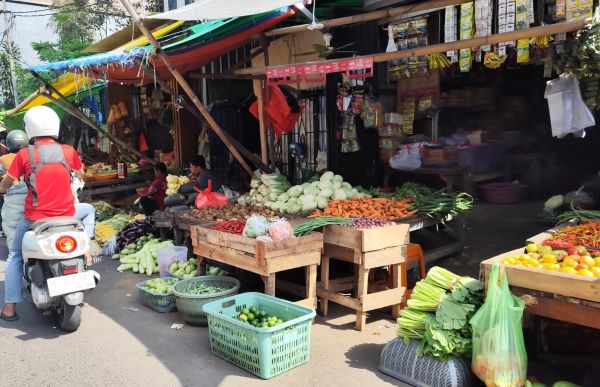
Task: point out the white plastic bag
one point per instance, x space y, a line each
568 112
408 158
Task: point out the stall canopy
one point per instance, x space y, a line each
222 9
189 48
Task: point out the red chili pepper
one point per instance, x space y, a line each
230 226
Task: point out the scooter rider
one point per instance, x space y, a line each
46 166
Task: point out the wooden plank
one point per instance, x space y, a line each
324 284
348 302
396 278
277 264
233 241
308 302
384 237
574 313
343 237
230 257
311 242
576 286
341 253
385 257
382 299
269 281
311 284
340 284
362 290
291 288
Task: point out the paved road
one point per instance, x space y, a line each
121 342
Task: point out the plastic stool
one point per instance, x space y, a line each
414 252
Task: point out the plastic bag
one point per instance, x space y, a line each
281 229
406 159
568 112
256 225
208 199
499 356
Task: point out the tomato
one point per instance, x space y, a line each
575 257
597 261
587 260
568 270
596 271
548 258
585 273
569 262
581 267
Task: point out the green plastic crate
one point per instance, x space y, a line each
265 352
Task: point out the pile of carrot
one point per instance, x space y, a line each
372 207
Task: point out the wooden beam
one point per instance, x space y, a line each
198 75
259 91
245 60
196 113
264 45
23 103
527 33
369 16
185 86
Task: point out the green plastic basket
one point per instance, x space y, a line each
162 303
190 305
265 352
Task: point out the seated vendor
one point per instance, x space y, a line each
199 177
153 198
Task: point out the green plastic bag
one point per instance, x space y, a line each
499 356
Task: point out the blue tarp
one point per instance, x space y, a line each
123 58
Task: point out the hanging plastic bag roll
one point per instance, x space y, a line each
499 356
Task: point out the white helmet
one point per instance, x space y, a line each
41 121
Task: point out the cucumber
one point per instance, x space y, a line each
116 256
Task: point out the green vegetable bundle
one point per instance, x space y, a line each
438 313
316 223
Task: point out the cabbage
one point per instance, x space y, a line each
273 197
325 184
312 191
277 206
259 198
346 185
335 185
256 225
305 185
349 193
283 197
269 204
295 191
338 178
292 200
339 194
307 198
255 183
243 200
327 176
253 192
314 184
322 202
326 193
264 190
309 206
293 209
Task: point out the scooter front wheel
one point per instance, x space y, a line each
69 317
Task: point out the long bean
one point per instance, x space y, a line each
315 223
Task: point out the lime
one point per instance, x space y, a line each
245 311
263 319
243 317
250 316
253 309
272 323
263 313
264 325
280 321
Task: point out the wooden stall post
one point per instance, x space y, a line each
258 91
185 86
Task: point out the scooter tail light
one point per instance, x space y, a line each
66 244
70 270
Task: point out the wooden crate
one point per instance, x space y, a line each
164 219
562 284
364 243
263 258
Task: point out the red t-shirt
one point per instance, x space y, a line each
55 197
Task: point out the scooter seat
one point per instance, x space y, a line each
58 222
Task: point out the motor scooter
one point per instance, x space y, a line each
55 274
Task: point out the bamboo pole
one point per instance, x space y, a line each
185 86
194 111
23 103
527 33
369 16
258 91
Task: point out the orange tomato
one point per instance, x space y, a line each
582 267
569 262
587 260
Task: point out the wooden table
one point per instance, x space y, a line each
264 259
565 297
367 249
96 188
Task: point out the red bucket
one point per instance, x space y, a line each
501 193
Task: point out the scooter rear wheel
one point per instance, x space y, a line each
69 317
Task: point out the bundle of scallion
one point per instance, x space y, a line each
412 323
462 289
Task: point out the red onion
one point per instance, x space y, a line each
366 222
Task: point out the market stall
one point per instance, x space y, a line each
551 291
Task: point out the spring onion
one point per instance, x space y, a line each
316 223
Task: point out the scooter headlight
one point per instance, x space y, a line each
66 244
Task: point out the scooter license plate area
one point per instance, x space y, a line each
57 286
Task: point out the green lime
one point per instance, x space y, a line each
250 316
243 317
253 309
264 325
279 321
263 319
263 313
245 311
272 323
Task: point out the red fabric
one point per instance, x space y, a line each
157 190
53 181
143 143
280 113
